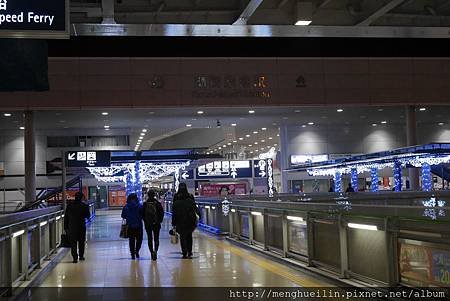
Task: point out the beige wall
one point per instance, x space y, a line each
124 82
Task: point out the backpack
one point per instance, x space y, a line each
151 213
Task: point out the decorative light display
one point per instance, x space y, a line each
397 170
270 176
434 208
225 206
270 154
135 173
337 182
426 177
176 177
354 179
374 179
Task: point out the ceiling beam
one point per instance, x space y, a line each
108 12
202 30
380 12
248 12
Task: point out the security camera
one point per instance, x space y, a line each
218 123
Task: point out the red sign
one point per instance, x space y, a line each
216 189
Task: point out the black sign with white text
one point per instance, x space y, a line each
44 16
88 158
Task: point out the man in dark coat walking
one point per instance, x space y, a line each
75 225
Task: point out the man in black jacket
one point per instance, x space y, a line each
153 214
75 225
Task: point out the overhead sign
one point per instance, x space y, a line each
34 19
88 158
260 168
305 159
225 169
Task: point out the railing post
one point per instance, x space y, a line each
284 224
8 263
38 247
250 227
266 229
343 247
230 221
24 253
310 238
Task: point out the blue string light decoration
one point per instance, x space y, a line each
397 176
374 179
337 182
354 179
426 177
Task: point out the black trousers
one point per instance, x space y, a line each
186 241
135 236
153 237
77 242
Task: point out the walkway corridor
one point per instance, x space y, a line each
216 263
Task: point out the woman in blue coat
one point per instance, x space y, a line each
133 214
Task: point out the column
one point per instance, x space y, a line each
30 158
411 139
426 177
397 176
374 179
284 158
354 179
338 182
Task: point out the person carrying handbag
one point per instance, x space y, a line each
132 212
185 215
153 217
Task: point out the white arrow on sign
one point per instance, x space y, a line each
262 173
72 156
185 175
233 172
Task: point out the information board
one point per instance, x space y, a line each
88 158
34 19
225 169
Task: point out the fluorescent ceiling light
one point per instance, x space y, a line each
105 113
144 131
200 112
441 123
256 213
22 128
363 226
7 114
233 124
303 22
295 218
422 109
374 124
188 125
384 122
311 123
15 234
255 132
340 110
241 138
106 126
263 129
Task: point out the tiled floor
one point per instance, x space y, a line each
216 263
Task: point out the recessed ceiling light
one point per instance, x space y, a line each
233 124
256 150
151 113
422 109
441 123
229 143
270 138
224 146
251 152
297 111
340 110
142 134
311 123
384 122
200 112
220 147
251 112
264 129
380 110
106 126
262 148
234 141
22 128
144 131
255 132
106 129
105 113
7 114
374 124
250 145
278 135
303 22
256 143
275 144
240 138
247 135
263 140
188 125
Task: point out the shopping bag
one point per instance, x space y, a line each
124 229
174 236
65 241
